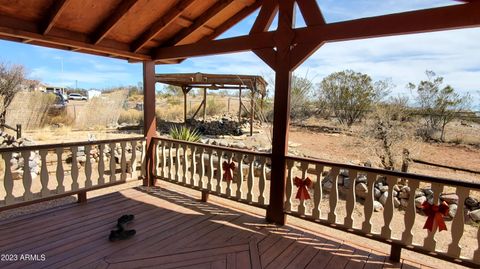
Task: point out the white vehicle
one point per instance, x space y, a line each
76 96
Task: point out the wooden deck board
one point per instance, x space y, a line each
173 226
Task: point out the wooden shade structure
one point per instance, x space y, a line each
256 84
171 30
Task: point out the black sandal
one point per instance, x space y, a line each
125 219
116 235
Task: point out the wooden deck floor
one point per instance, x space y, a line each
174 230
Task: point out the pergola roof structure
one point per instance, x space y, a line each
215 81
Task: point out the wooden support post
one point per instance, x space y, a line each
395 253
150 125
185 91
82 197
204 104
252 111
281 112
240 105
205 195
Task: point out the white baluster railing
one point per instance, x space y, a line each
45 172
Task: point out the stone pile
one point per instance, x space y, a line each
95 154
17 162
225 125
401 195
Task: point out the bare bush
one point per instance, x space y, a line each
389 133
11 77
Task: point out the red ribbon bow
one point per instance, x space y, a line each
227 170
302 185
435 215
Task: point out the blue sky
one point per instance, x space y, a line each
455 55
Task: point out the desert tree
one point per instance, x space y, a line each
300 98
11 78
350 95
438 105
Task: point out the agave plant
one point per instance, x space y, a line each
184 133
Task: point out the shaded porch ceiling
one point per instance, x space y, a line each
125 29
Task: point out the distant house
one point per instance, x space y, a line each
93 93
32 85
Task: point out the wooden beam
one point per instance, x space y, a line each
245 12
311 12
149 119
212 47
265 16
161 24
53 14
107 25
420 21
199 22
28 30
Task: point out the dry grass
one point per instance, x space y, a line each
30 109
101 111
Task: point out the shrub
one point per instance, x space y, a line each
214 107
184 133
130 116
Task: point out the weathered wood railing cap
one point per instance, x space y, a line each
383 172
235 150
71 144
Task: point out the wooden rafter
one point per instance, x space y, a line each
13 27
199 22
265 16
311 12
53 14
245 12
112 20
161 24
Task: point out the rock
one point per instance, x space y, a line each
377 193
361 179
419 193
404 203
419 201
475 215
327 186
471 202
383 188
82 159
428 192
361 190
383 198
396 188
405 188
343 172
378 184
377 207
396 202
403 194
452 210
17 174
449 198
394 193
